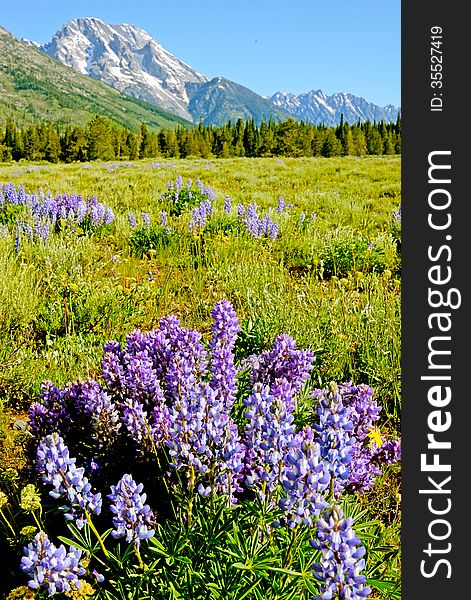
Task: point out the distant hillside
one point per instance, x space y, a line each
220 100
36 86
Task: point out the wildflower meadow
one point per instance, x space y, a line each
200 379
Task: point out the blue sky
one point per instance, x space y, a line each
266 45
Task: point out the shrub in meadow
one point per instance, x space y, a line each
214 444
149 237
180 196
344 256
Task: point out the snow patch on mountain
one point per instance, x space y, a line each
127 58
317 107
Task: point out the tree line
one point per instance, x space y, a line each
100 139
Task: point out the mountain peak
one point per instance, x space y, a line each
131 60
317 107
127 58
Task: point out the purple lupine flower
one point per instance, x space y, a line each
102 410
133 519
209 192
132 220
251 212
26 229
52 568
42 231
204 438
388 453
224 330
68 208
227 205
305 480
97 213
364 410
145 219
335 434
136 421
163 218
273 231
362 469
179 182
313 217
397 216
258 227
281 206
179 357
81 211
283 361
46 416
342 558
301 219
57 468
108 216
269 434
367 457
200 215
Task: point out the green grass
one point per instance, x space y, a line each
60 301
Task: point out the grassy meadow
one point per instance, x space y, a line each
330 279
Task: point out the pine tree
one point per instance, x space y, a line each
99 139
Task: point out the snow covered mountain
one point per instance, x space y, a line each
127 58
316 107
130 60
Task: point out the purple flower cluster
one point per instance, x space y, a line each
200 215
281 206
342 558
346 417
335 435
206 190
163 218
133 519
73 208
258 227
227 205
269 434
40 230
224 331
173 396
282 361
58 469
306 480
205 440
52 568
132 220
145 219
178 188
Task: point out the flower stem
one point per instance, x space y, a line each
139 557
290 547
98 536
7 522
